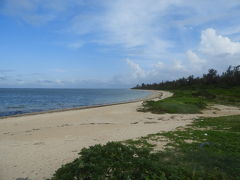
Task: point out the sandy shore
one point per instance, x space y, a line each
34 146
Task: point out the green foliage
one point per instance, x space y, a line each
170 107
214 149
230 78
181 102
209 149
204 94
193 101
192 94
227 96
225 123
111 161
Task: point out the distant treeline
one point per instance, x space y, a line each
230 78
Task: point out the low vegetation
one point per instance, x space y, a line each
192 94
209 149
181 102
192 101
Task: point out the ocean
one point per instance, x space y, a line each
15 101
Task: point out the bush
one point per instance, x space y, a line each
209 149
204 93
111 161
182 102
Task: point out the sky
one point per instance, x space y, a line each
114 43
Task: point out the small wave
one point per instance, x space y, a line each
16 107
11 113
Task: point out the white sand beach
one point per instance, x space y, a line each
34 146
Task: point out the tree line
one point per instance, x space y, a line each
229 78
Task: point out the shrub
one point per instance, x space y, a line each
111 161
204 93
182 102
209 149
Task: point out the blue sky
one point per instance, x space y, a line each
106 43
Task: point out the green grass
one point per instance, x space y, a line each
193 101
225 123
230 96
181 102
214 147
209 149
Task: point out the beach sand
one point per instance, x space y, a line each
34 146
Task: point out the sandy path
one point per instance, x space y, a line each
34 146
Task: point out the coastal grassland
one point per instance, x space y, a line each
208 149
191 101
226 96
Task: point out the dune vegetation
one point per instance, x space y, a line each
193 94
191 101
207 149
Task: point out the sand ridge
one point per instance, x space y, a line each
34 146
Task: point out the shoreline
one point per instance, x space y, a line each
34 146
154 94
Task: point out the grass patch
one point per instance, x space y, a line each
214 151
229 96
181 102
209 149
193 101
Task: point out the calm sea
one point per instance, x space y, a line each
19 101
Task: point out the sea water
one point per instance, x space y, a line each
19 101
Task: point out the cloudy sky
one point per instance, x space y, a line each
114 43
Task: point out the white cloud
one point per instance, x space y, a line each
75 45
178 65
214 51
83 24
155 33
140 28
137 71
38 12
159 65
194 64
136 26
50 82
58 70
157 73
209 54
214 44
193 58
